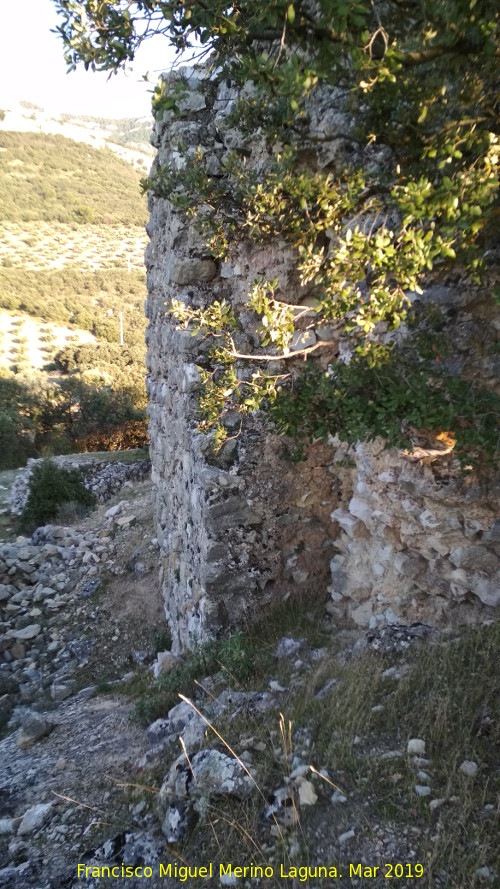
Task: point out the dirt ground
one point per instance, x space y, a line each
126 613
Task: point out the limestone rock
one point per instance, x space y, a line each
486 875
34 818
6 592
194 271
415 746
469 768
59 691
33 728
113 511
283 807
212 774
345 837
165 661
288 647
29 632
192 101
178 818
126 521
422 790
307 793
302 339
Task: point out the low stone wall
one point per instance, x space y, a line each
101 477
384 540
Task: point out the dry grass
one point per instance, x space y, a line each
449 696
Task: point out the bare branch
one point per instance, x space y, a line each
283 356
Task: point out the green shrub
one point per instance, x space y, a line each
372 394
235 657
84 214
50 487
69 512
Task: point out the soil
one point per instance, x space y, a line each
126 614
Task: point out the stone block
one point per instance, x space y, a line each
29 632
338 575
475 558
33 727
227 584
228 270
360 593
34 818
362 614
18 650
232 513
428 520
361 510
347 522
193 271
408 566
165 662
216 553
492 535
126 521
487 590
302 339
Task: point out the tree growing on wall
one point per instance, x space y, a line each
422 82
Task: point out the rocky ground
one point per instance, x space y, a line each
85 788
79 606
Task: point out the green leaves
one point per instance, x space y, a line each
378 390
420 197
277 318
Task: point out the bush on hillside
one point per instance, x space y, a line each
50 487
18 421
104 188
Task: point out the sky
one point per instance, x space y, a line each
32 68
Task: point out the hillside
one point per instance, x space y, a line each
45 177
72 242
127 138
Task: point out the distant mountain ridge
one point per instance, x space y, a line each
126 137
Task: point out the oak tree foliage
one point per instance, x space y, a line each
421 80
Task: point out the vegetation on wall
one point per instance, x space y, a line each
416 201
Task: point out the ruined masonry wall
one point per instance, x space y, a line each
380 538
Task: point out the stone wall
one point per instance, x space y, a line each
102 477
382 536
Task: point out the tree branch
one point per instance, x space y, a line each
288 355
461 48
